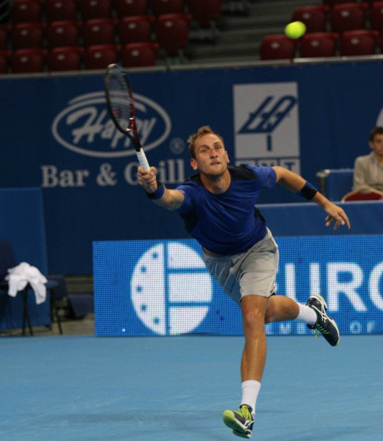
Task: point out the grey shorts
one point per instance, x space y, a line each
250 273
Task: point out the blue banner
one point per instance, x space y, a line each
163 287
57 134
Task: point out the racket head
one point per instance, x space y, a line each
120 101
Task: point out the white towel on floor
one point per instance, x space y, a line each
21 275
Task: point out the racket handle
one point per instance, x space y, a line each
142 160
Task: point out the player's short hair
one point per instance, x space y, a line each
202 131
376 131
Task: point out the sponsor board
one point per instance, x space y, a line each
163 288
85 127
266 124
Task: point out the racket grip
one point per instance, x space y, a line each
142 160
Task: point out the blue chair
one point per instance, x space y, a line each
58 291
7 260
335 183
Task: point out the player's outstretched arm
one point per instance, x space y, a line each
296 183
160 195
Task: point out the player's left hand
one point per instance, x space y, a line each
336 214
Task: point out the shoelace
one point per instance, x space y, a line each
246 413
323 330
320 330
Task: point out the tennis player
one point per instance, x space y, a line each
218 208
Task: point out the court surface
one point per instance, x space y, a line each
83 388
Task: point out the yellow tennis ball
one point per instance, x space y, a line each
295 29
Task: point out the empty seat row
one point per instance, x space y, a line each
322 44
203 11
98 31
76 58
33 10
336 2
172 34
70 33
342 17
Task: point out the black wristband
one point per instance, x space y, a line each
308 191
158 193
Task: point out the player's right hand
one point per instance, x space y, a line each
147 179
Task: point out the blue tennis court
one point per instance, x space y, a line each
56 388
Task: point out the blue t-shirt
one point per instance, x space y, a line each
227 223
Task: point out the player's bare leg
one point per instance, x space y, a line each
256 311
254 354
253 362
281 308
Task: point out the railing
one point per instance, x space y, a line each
219 65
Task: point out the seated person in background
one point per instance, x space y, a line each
368 170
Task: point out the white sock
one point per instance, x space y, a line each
250 390
306 315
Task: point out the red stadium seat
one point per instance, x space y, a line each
4 61
26 11
318 44
27 35
314 17
3 38
139 54
173 32
160 7
136 29
62 33
127 8
95 9
331 3
99 31
376 16
205 11
277 47
100 56
358 196
359 42
348 16
60 10
65 59
28 60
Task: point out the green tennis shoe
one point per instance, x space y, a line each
240 421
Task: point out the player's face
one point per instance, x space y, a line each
211 156
377 145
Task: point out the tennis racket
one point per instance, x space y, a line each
120 101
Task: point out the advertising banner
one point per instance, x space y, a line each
163 287
56 134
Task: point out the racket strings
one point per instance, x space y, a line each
120 101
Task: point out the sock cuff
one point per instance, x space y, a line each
306 314
250 390
251 383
